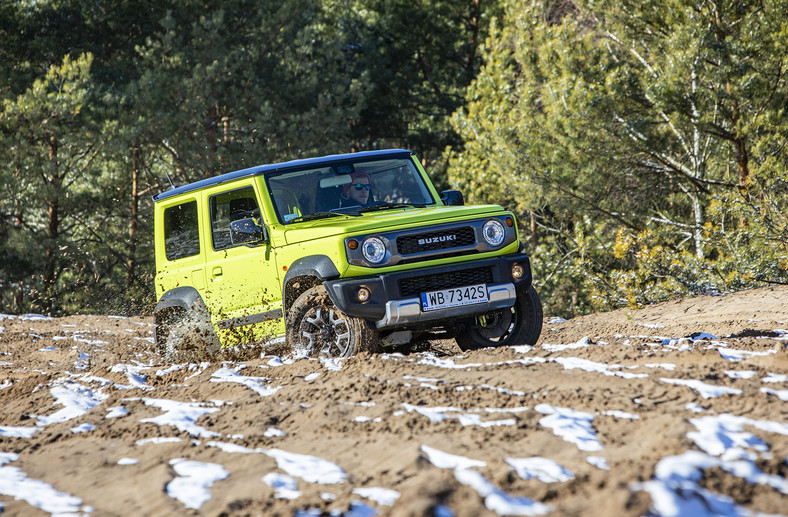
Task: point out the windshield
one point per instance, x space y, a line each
346 188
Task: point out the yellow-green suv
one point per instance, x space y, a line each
334 255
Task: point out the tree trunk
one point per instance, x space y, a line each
131 261
742 161
53 229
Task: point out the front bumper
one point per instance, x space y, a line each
395 302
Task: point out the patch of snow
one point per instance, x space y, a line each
573 426
665 366
444 460
273 432
275 361
559 348
621 415
723 435
598 461
83 428
309 468
311 377
438 414
116 412
15 483
570 363
707 391
285 487
158 440
332 364
181 415
740 374
191 487
381 496
773 377
781 394
128 461
132 372
76 399
521 349
34 317
232 448
543 469
17 432
738 355
256 384
497 500
674 490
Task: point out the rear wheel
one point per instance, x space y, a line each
316 327
186 335
516 325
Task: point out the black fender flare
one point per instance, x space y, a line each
188 299
184 297
315 266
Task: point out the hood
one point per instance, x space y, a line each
386 220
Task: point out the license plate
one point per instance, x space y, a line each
456 297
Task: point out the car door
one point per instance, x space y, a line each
242 283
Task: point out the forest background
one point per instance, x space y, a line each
642 144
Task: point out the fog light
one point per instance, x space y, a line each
363 294
517 271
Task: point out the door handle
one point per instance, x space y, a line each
217 271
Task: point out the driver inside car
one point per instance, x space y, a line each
357 192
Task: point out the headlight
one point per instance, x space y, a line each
493 232
374 250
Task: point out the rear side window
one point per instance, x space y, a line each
181 234
228 207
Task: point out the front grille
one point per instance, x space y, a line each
449 280
437 240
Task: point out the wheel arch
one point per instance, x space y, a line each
304 274
181 297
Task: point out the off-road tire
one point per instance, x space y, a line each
519 325
316 327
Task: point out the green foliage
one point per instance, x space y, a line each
662 119
642 143
102 101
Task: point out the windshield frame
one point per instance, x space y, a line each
348 163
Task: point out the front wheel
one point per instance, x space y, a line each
520 324
316 327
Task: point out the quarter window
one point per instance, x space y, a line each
181 234
228 207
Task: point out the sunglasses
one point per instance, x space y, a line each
362 186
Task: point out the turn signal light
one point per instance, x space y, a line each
509 222
352 244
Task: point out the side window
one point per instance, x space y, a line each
181 235
228 207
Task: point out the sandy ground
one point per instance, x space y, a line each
676 409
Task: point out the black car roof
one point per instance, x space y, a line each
262 169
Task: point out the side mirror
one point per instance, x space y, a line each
452 198
246 231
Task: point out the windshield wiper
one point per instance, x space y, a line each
386 206
323 215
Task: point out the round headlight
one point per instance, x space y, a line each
373 250
493 232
